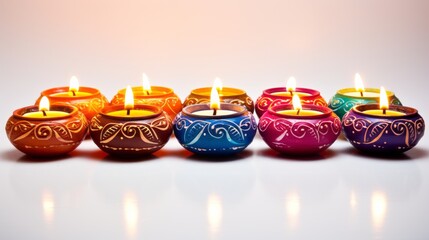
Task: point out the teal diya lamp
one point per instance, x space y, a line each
345 99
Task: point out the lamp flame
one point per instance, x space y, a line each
218 84
291 84
384 103
44 104
214 99
296 102
129 98
74 84
146 84
359 83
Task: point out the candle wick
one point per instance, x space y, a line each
297 112
147 93
214 112
128 112
291 92
361 93
74 93
44 113
384 111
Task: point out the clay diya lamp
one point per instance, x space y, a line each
47 130
283 95
383 129
215 128
88 100
131 130
146 94
346 98
299 130
226 94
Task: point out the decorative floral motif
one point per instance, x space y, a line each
358 123
93 106
341 105
410 130
44 131
234 133
88 106
171 105
131 136
247 102
47 137
264 102
296 135
192 101
300 129
215 136
129 130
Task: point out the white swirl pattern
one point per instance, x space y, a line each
263 103
373 131
338 104
300 129
234 133
146 131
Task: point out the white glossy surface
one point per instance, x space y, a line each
340 194
258 194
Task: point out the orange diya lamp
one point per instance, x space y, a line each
88 100
47 130
146 94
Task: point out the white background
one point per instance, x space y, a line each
252 45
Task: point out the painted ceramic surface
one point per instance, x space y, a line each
341 103
131 136
267 99
52 137
215 136
232 95
168 101
89 105
387 135
299 136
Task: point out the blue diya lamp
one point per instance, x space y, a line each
397 130
230 131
